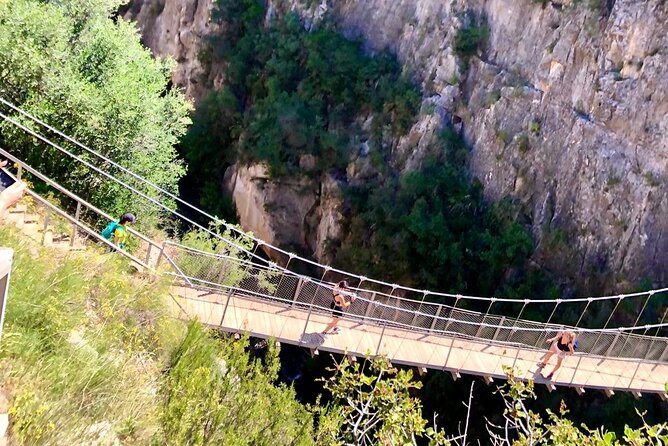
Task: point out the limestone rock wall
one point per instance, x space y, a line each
178 29
564 108
298 213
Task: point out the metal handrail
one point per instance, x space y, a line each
71 195
385 322
79 224
259 297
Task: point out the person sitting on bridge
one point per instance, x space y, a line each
339 304
562 344
116 231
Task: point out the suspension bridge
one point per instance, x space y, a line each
623 339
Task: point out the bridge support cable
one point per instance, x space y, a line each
484 317
452 312
598 338
231 292
265 280
383 324
511 332
419 310
172 196
546 333
635 372
589 301
656 336
637 341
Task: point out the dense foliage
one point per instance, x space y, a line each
431 228
376 406
90 354
71 65
215 393
81 347
288 93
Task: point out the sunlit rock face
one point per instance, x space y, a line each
564 108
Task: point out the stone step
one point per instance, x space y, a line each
19 208
65 246
30 218
31 228
15 218
47 237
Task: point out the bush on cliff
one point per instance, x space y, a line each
290 92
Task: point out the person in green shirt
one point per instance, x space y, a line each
117 231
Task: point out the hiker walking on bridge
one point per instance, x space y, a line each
339 304
562 344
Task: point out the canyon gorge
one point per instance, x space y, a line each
563 108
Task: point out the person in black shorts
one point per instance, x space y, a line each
339 304
562 344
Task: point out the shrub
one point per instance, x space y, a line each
523 144
216 393
652 180
502 136
492 98
534 127
470 39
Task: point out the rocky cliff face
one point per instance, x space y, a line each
178 29
299 213
564 108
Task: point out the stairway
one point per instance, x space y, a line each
41 229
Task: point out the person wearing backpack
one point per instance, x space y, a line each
117 232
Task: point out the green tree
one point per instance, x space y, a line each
524 427
289 92
376 407
215 393
71 65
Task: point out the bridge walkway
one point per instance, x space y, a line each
247 314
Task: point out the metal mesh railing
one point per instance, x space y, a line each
265 282
242 270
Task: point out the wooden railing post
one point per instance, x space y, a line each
438 313
496 332
308 317
370 305
46 225
380 341
148 254
227 303
162 253
77 215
